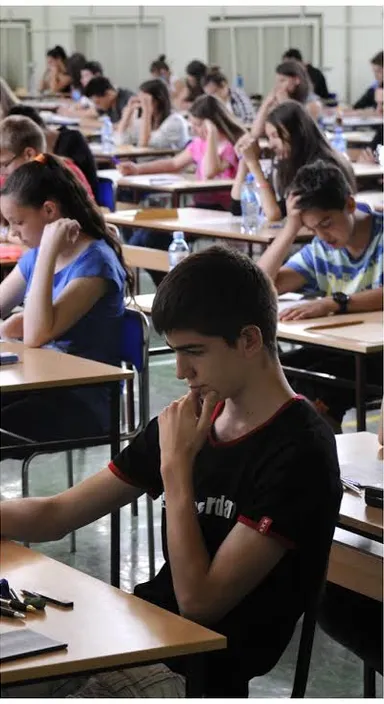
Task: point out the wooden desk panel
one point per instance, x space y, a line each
106 629
361 458
43 368
356 564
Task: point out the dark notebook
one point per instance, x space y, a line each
25 642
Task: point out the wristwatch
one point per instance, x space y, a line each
342 301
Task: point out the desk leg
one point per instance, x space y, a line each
194 677
115 517
250 249
175 200
361 381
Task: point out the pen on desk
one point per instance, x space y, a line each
115 161
16 604
10 613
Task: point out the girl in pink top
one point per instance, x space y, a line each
212 150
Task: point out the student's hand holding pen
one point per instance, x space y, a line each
127 168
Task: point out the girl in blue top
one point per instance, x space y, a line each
72 282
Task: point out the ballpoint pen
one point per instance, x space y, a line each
16 604
10 613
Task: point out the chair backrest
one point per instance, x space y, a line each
306 640
105 195
135 351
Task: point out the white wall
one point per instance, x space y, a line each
347 31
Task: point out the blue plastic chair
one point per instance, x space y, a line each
134 352
105 195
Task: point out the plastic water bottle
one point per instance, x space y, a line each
177 250
338 140
239 83
75 95
251 208
107 141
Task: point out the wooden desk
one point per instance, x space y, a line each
128 151
356 563
358 333
204 223
361 459
48 369
375 199
41 104
367 170
106 629
353 121
175 185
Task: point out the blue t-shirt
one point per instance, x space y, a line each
97 335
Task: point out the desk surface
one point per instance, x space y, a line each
10 253
174 183
199 221
129 151
362 170
106 629
354 332
43 368
360 458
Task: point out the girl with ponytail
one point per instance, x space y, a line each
73 282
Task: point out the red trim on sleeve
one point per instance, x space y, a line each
120 475
263 527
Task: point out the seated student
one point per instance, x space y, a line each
292 81
213 153
64 142
160 69
247 540
368 155
317 78
107 99
212 150
367 100
235 100
56 78
84 108
72 282
294 139
194 85
343 264
157 125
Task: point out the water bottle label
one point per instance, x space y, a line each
175 258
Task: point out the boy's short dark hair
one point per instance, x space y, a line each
293 54
28 111
217 293
94 67
378 59
98 86
321 185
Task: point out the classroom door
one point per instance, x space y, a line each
15 53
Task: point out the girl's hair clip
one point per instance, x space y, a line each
40 158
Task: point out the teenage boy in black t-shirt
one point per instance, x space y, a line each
248 472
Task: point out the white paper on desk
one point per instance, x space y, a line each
349 470
52 119
111 174
166 178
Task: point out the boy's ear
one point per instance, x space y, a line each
351 204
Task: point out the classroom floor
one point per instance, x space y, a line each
335 672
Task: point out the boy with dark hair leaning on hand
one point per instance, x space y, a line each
343 264
248 472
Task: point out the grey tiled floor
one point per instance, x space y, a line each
335 672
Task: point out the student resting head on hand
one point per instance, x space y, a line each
72 282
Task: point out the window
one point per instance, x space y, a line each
253 47
125 48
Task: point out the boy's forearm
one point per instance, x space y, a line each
33 520
366 301
273 258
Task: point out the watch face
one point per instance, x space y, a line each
340 297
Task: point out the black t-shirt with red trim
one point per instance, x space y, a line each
282 480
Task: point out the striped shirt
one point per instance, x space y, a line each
328 270
240 105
